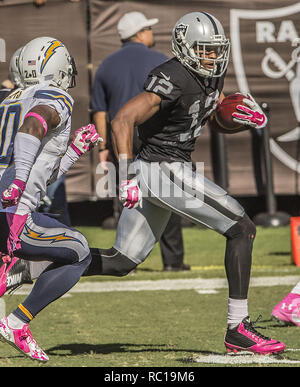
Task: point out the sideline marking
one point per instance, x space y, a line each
198 284
2 308
206 291
222 267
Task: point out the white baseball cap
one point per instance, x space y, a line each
133 22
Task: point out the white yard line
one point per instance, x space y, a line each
241 359
198 284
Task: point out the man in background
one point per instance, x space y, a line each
120 77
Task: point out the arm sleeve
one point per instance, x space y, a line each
66 162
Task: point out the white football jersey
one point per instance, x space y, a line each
54 144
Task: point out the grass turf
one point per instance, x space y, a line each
159 328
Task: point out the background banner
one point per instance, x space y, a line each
265 38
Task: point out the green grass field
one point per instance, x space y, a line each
163 328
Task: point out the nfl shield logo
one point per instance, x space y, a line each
266 59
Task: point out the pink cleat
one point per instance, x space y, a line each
22 340
245 337
287 311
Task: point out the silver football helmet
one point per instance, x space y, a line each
47 59
196 34
14 72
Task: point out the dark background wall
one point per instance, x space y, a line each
261 33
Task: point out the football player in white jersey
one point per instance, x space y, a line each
21 270
39 119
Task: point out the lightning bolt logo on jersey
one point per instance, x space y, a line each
55 44
45 234
52 238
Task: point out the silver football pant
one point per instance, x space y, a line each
168 187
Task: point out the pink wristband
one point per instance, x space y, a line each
40 118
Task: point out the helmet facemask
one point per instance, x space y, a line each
73 73
201 54
66 79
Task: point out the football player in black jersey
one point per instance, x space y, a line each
180 96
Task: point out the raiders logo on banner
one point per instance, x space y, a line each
275 42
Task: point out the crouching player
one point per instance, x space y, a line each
39 116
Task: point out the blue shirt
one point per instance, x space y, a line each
121 76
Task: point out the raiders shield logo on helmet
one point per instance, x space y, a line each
180 31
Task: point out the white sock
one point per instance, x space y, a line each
237 311
296 289
14 322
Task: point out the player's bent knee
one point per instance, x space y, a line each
109 262
84 250
244 227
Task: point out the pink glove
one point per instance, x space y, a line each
16 224
12 195
85 139
254 116
130 194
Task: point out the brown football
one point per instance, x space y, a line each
224 113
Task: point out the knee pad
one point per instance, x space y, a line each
85 251
244 227
109 262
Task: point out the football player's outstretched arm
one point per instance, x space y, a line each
85 138
42 118
136 111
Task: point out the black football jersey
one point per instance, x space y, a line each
187 101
